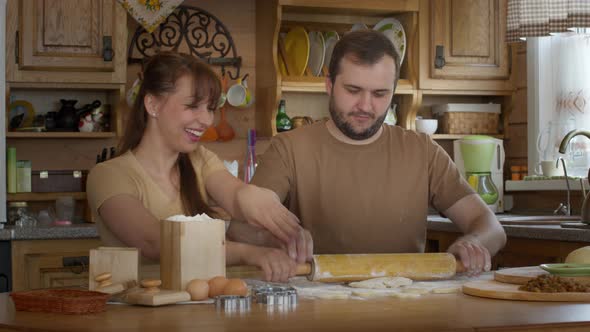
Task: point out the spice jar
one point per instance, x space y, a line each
515 172
18 215
14 210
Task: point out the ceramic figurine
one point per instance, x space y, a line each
86 124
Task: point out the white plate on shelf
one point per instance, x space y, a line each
316 52
359 26
394 30
330 38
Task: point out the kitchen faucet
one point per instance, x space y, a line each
585 213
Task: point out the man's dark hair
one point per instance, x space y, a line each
365 47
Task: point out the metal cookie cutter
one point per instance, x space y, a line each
233 303
276 295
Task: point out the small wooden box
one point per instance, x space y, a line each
191 250
58 181
122 263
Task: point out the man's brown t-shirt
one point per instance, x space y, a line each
370 198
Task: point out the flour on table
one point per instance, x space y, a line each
399 288
415 290
319 290
368 292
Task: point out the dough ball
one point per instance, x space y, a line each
235 287
198 289
216 286
581 256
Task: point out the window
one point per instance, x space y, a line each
558 69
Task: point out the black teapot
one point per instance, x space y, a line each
68 116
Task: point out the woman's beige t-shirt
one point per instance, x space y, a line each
125 175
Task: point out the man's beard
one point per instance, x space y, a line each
347 129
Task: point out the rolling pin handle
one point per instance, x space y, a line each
303 269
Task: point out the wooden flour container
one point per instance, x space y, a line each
191 250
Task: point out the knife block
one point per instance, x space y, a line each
191 250
122 263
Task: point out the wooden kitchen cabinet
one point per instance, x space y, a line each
40 263
66 41
279 16
469 35
516 253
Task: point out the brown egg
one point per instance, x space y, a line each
198 289
235 287
216 286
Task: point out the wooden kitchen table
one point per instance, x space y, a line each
434 312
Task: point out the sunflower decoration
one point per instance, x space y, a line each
151 4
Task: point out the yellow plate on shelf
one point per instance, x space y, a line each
297 51
20 108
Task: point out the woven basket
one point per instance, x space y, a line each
65 301
469 123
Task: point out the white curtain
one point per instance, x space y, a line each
568 72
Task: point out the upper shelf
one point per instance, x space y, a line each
318 85
42 197
459 136
366 7
60 135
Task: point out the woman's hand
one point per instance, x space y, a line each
276 265
300 249
261 207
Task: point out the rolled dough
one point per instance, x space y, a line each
382 283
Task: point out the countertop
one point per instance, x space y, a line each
74 231
435 223
539 232
432 312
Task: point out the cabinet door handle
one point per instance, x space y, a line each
439 60
107 48
16 42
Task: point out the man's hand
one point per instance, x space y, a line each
301 249
262 207
472 254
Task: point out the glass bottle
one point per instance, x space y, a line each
283 121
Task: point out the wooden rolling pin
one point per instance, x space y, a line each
357 267
345 268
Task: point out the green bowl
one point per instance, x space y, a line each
567 269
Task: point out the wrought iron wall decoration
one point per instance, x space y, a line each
191 28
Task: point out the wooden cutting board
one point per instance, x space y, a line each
497 290
520 275
142 297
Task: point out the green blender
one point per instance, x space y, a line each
477 152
